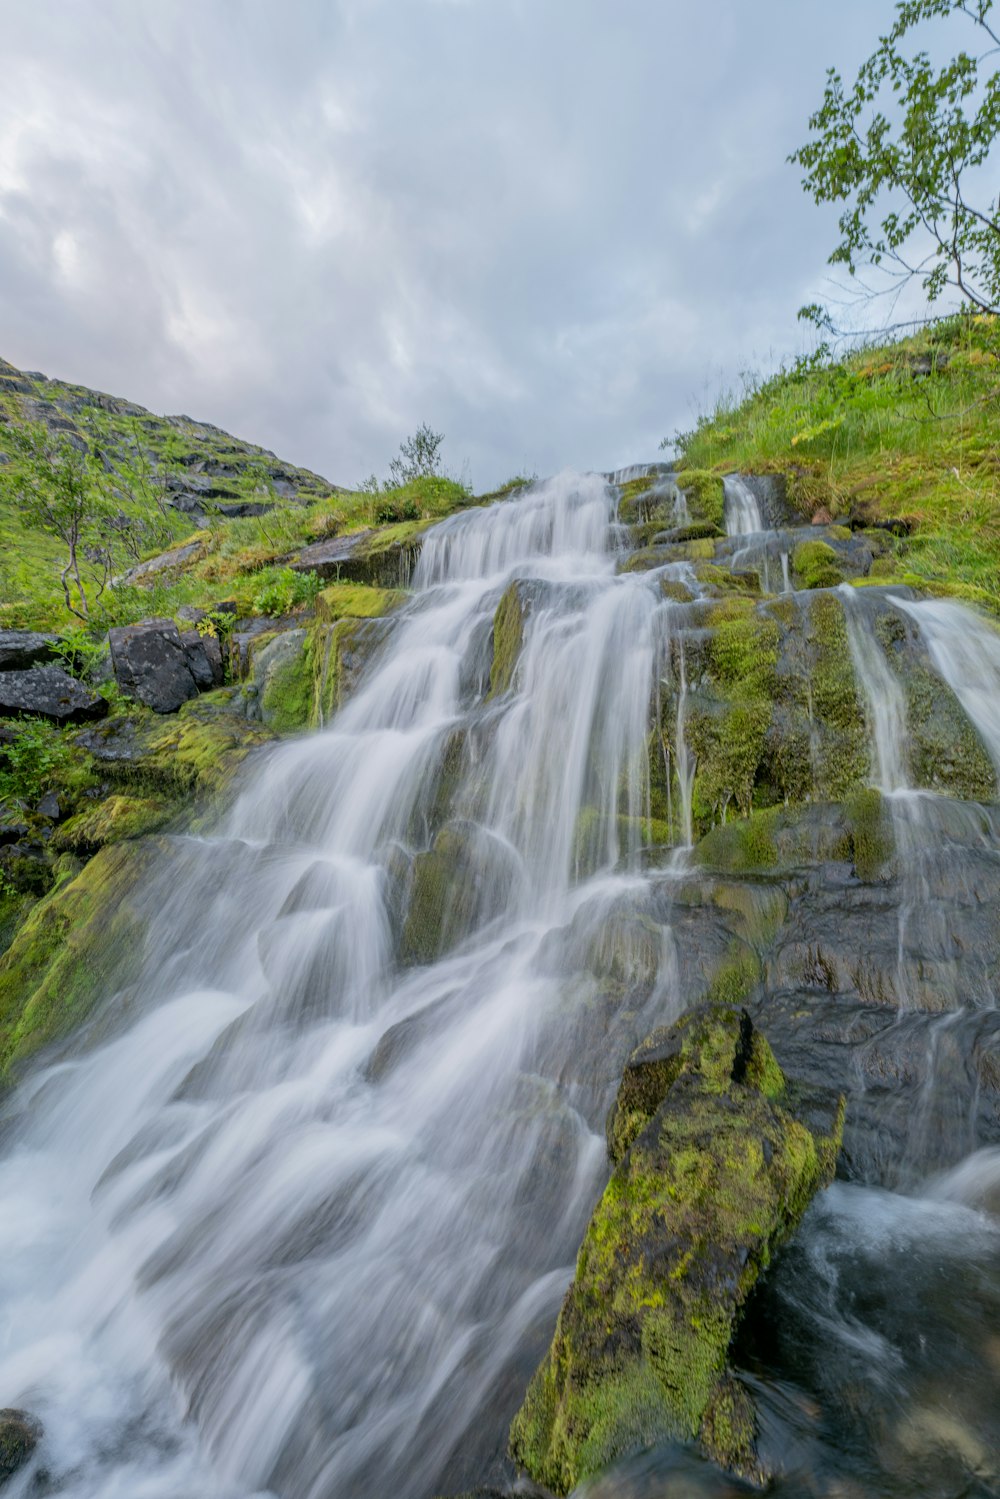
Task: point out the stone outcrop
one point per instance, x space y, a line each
49 692
162 667
20 649
20 1434
714 1168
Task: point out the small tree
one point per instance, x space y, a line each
57 490
418 457
918 204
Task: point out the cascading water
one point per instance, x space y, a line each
298 1217
742 510
344 1248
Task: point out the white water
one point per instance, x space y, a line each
883 694
238 1255
742 512
303 1225
965 650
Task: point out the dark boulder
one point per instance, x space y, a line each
20 1434
20 649
49 692
154 663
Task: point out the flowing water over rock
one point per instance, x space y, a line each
742 512
296 1214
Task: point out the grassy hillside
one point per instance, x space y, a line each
179 483
907 431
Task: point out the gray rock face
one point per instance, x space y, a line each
49 692
154 663
20 1434
20 649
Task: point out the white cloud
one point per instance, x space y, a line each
534 226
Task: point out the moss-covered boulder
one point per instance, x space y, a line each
356 601
714 1170
20 1434
507 638
194 752
339 655
280 691
461 882
111 820
705 495
88 928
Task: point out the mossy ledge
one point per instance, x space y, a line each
61 961
714 1171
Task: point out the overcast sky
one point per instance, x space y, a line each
553 229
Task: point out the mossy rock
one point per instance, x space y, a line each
112 820
356 601
338 656
705 495
714 1173
282 686
507 639
816 565
461 882
872 842
192 753
88 929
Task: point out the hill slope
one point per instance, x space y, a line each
906 432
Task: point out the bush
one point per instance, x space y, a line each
31 760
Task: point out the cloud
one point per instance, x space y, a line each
539 227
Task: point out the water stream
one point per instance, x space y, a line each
299 1220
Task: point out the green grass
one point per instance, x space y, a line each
241 559
872 439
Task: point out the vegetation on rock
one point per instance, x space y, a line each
713 1172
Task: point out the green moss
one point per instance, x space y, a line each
508 637
112 820
816 565
740 845
194 752
727 735
736 978
64 954
286 691
705 495
355 601
677 551
713 1173
456 885
725 581
336 654
945 751
871 836
756 911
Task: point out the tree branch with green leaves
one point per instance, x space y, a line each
907 149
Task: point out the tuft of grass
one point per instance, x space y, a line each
905 431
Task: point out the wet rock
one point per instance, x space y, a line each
165 562
154 663
20 649
281 679
382 558
20 1434
715 1170
459 884
49 807
49 692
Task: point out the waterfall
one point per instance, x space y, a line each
296 1214
965 650
883 695
340 1197
742 512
